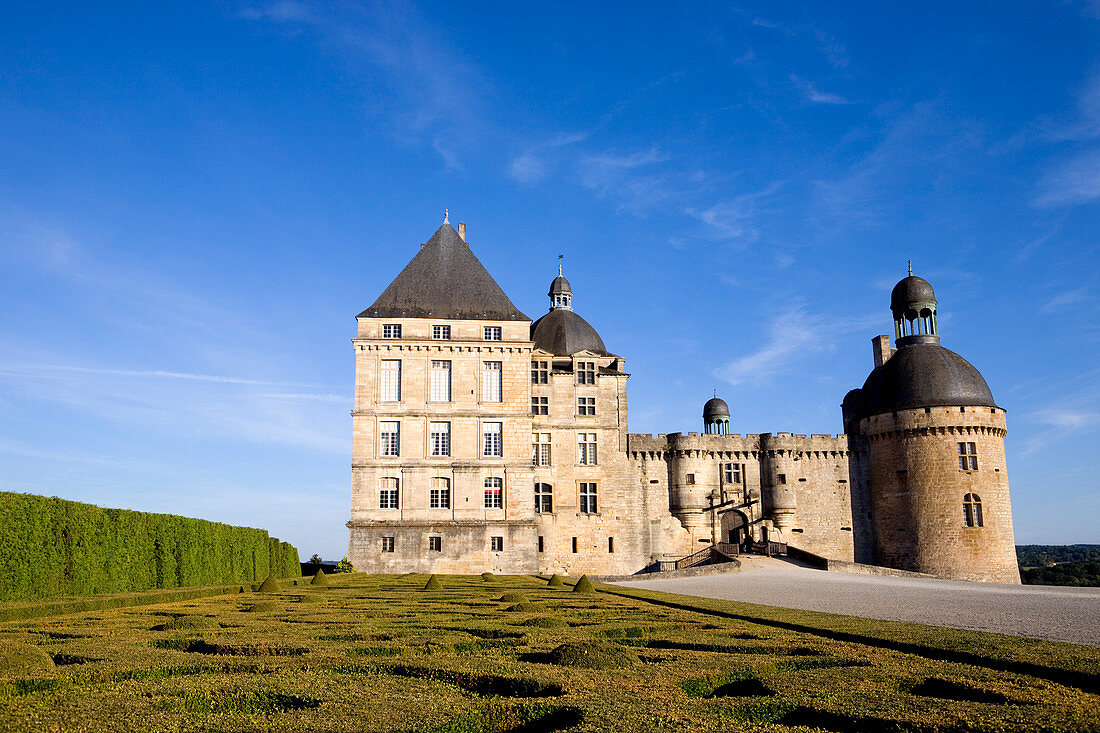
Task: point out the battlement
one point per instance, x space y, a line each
817 443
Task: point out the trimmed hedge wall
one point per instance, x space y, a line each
53 547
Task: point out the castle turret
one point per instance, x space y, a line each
716 416
936 458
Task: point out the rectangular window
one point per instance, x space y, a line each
540 449
540 372
540 543
496 544
435 544
387 493
586 449
731 473
781 478
968 456
691 478
540 405
391 438
491 373
440 388
611 545
586 372
493 439
586 405
574 544
439 494
388 544
440 442
494 493
588 498
391 330
391 381
492 333
441 333
544 498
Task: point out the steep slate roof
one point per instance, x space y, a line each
444 280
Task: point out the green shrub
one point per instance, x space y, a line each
545 622
319 578
555 582
525 607
270 585
265 606
18 659
433 584
592 655
513 597
487 576
584 585
344 566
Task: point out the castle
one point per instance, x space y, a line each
485 442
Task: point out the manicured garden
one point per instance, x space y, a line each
519 653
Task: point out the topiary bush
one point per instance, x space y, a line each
433 584
344 566
319 578
20 660
265 606
584 585
513 597
545 622
270 585
592 655
555 582
487 576
525 607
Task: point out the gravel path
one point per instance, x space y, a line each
1043 612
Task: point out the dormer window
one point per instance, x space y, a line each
492 333
586 372
391 330
441 333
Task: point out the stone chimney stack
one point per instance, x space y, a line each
462 230
883 351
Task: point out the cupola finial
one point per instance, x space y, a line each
560 258
910 268
446 216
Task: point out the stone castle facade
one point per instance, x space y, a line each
485 442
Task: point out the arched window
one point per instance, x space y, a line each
972 510
544 498
387 493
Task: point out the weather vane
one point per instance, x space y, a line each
560 257
910 268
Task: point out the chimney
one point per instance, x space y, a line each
881 346
462 230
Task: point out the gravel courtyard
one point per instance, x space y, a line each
1044 612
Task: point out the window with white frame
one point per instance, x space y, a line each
390 433
586 405
494 493
496 544
968 456
387 493
388 544
972 511
391 381
391 330
492 333
586 449
540 405
493 439
588 497
544 498
439 442
540 449
540 372
439 494
491 373
441 333
439 389
586 372
435 543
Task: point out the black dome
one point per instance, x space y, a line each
910 290
716 407
564 333
924 375
560 285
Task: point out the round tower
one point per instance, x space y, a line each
936 455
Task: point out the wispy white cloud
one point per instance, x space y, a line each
814 94
53 370
1074 181
537 159
735 218
1063 300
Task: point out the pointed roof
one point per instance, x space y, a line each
444 280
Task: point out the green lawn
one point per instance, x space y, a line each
378 653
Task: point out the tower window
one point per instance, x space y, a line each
387 493
540 449
439 494
586 405
391 438
540 405
586 372
691 478
574 544
391 330
388 544
540 372
544 499
540 543
391 381
588 497
494 493
731 473
496 544
440 387
492 333
493 437
435 544
968 457
586 449
441 333
440 439
972 511
781 478
491 373
610 545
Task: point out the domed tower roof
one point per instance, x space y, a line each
912 289
716 416
716 407
561 331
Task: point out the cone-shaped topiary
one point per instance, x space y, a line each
265 606
17 659
270 585
513 597
433 584
319 579
584 585
487 576
555 582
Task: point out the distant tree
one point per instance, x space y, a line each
315 559
344 566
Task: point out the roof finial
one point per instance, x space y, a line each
446 216
716 393
910 268
560 257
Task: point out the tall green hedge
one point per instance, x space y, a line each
53 547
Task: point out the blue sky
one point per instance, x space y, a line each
196 200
